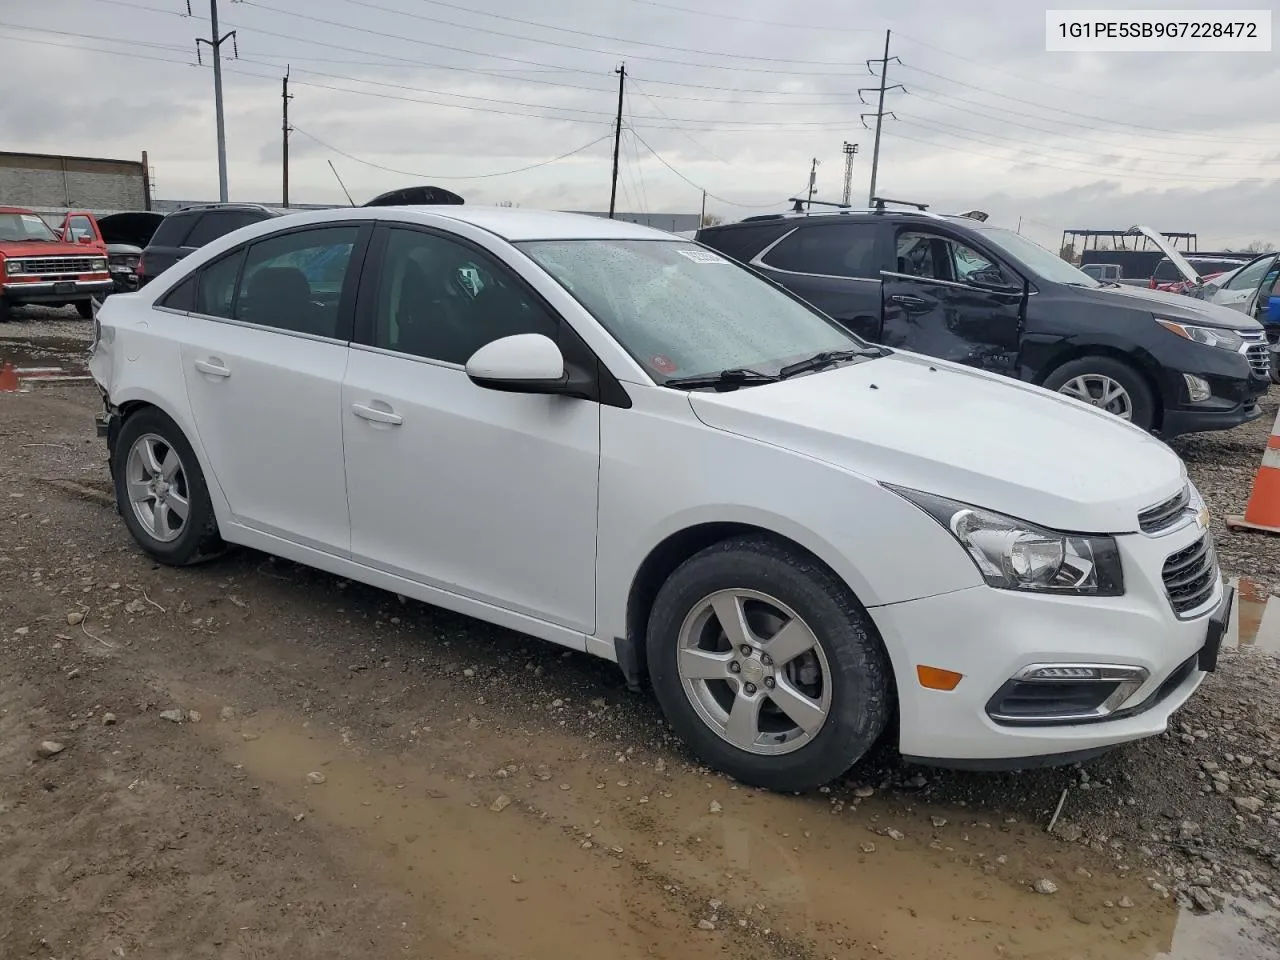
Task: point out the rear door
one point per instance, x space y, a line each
835 266
947 299
263 359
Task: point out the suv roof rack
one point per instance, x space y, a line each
801 206
879 202
229 203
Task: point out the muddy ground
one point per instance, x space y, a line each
260 760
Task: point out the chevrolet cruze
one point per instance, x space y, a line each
620 441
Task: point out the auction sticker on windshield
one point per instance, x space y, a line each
701 256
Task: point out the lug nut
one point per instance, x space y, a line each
735 666
766 660
745 650
769 683
750 688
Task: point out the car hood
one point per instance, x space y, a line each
1179 262
123 248
961 433
1172 306
23 248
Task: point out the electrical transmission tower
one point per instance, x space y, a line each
850 151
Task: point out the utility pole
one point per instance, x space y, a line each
703 221
813 182
216 42
850 151
285 97
617 139
880 112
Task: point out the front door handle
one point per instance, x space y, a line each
904 300
365 412
213 368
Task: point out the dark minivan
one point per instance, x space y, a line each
959 289
190 228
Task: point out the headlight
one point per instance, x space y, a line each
1209 336
1014 555
12 266
99 265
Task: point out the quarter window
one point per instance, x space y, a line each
217 286
830 249
441 300
182 297
294 282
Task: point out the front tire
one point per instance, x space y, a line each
161 491
85 307
1109 385
767 666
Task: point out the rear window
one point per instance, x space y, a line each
219 223
743 243
831 249
173 230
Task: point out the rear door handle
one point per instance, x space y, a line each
904 300
213 368
365 412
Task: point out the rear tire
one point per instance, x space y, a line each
789 722
161 491
85 309
1095 379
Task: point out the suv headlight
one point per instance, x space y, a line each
1012 554
12 266
1209 336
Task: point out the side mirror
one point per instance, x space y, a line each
523 363
84 238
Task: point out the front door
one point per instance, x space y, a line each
1240 292
484 494
947 300
263 363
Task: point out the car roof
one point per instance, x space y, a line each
510 223
844 215
15 210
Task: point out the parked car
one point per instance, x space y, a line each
38 265
1250 290
616 440
126 235
187 230
1108 273
981 295
1170 275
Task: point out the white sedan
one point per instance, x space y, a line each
617 440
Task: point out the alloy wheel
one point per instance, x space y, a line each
1102 392
157 487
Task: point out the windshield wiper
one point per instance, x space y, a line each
826 358
729 379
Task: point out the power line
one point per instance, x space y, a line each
441 176
1073 113
920 92
569 30
764 23
607 53
750 206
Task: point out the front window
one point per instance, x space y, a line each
24 228
1250 276
682 310
1039 261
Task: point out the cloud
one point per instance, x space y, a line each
738 106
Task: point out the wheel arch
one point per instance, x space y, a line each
1140 362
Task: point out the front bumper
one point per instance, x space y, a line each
989 635
123 279
53 291
1235 389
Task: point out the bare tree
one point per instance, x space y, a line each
711 220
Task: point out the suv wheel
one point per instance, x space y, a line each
1109 385
767 666
161 492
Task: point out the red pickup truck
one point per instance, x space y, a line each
38 265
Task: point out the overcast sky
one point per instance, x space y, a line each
735 97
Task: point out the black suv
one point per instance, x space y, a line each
956 288
186 230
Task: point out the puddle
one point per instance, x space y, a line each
1255 619
589 857
27 363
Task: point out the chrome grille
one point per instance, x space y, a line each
1190 576
1256 352
53 265
1165 514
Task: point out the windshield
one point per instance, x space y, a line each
1037 259
22 227
682 310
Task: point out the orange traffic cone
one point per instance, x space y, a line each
8 379
1263 509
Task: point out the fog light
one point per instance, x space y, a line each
1065 693
1197 387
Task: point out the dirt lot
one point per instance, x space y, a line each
258 760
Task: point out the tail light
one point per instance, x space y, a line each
140 270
